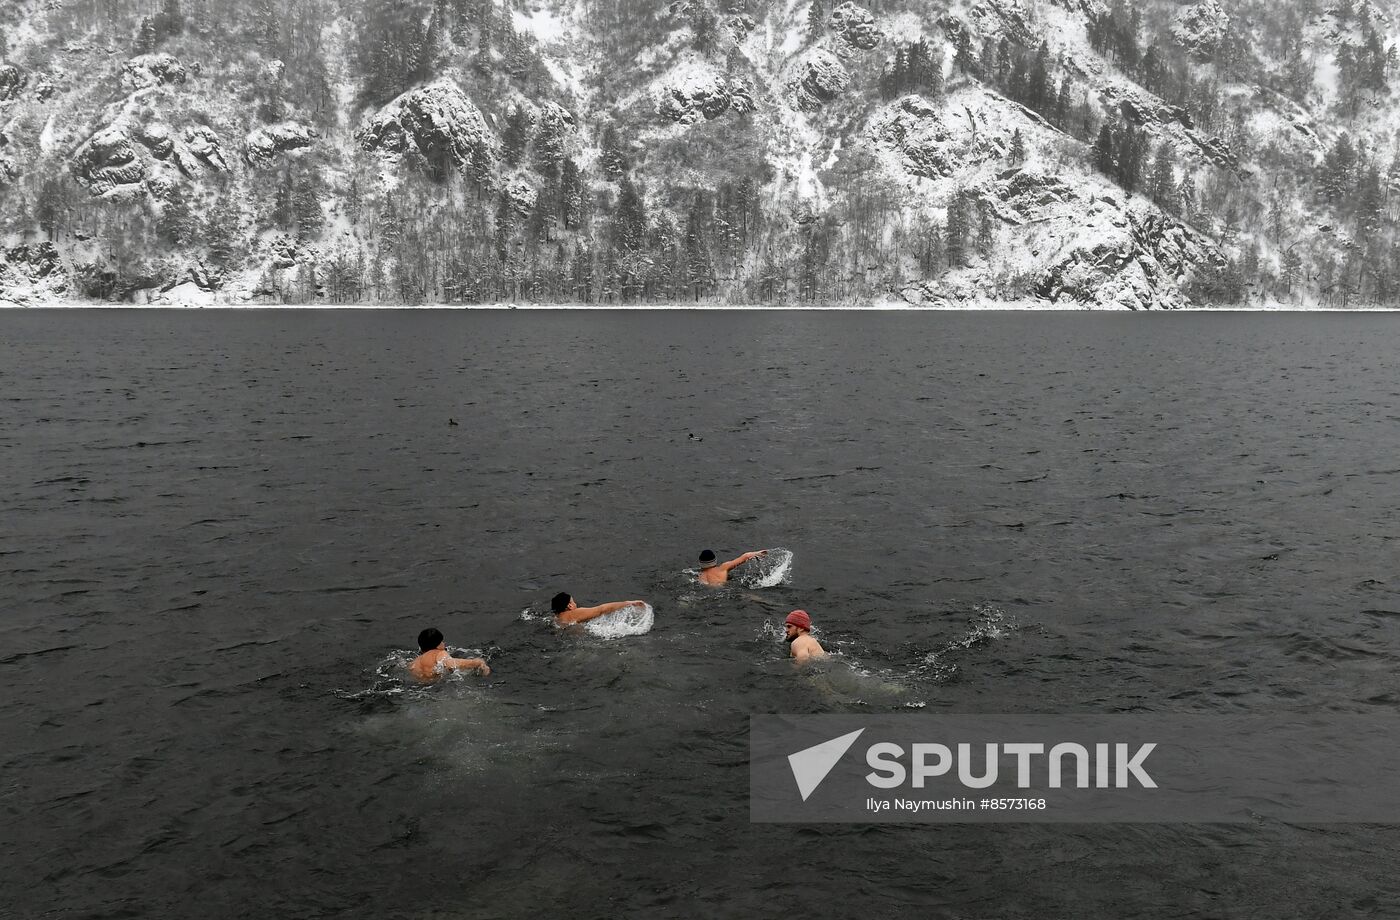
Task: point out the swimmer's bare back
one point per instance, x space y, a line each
429 666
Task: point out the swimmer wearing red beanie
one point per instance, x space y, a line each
801 645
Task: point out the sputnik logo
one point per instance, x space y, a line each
811 765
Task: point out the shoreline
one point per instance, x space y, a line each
6 305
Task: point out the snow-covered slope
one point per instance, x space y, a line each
1149 155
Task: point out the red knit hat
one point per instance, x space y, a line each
799 619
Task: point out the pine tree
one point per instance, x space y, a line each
267 19
698 262
1163 181
283 211
630 221
613 160
816 18
172 18
1103 152
705 28
572 192
1186 194
146 36
1370 201
1338 167
505 227
986 234
956 243
1018 148
515 138
306 209
1039 86
49 207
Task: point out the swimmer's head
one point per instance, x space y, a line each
429 639
707 558
561 602
796 624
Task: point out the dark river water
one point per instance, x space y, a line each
220 534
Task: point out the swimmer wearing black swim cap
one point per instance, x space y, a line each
717 573
567 612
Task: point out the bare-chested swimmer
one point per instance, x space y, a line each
717 573
435 661
801 644
567 612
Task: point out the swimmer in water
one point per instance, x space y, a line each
801 646
434 661
567 612
717 573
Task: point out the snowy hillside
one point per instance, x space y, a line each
1074 152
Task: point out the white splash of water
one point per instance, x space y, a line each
768 571
635 620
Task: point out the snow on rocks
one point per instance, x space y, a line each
203 145
555 119
855 25
934 142
437 120
32 272
266 144
1201 28
148 70
691 92
821 77
12 81
157 138
109 163
1126 254
1070 236
522 195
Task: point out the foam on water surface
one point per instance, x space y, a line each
767 571
635 620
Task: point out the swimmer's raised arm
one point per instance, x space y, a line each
732 563
467 664
580 614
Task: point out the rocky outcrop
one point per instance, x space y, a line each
438 121
555 120
1201 28
692 93
12 81
821 77
157 138
284 252
937 141
32 272
740 26
855 25
266 144
203 146
109 163
1134 257
152 70
1142 109
522 195
125 159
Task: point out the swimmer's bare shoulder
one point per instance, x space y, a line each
805 648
